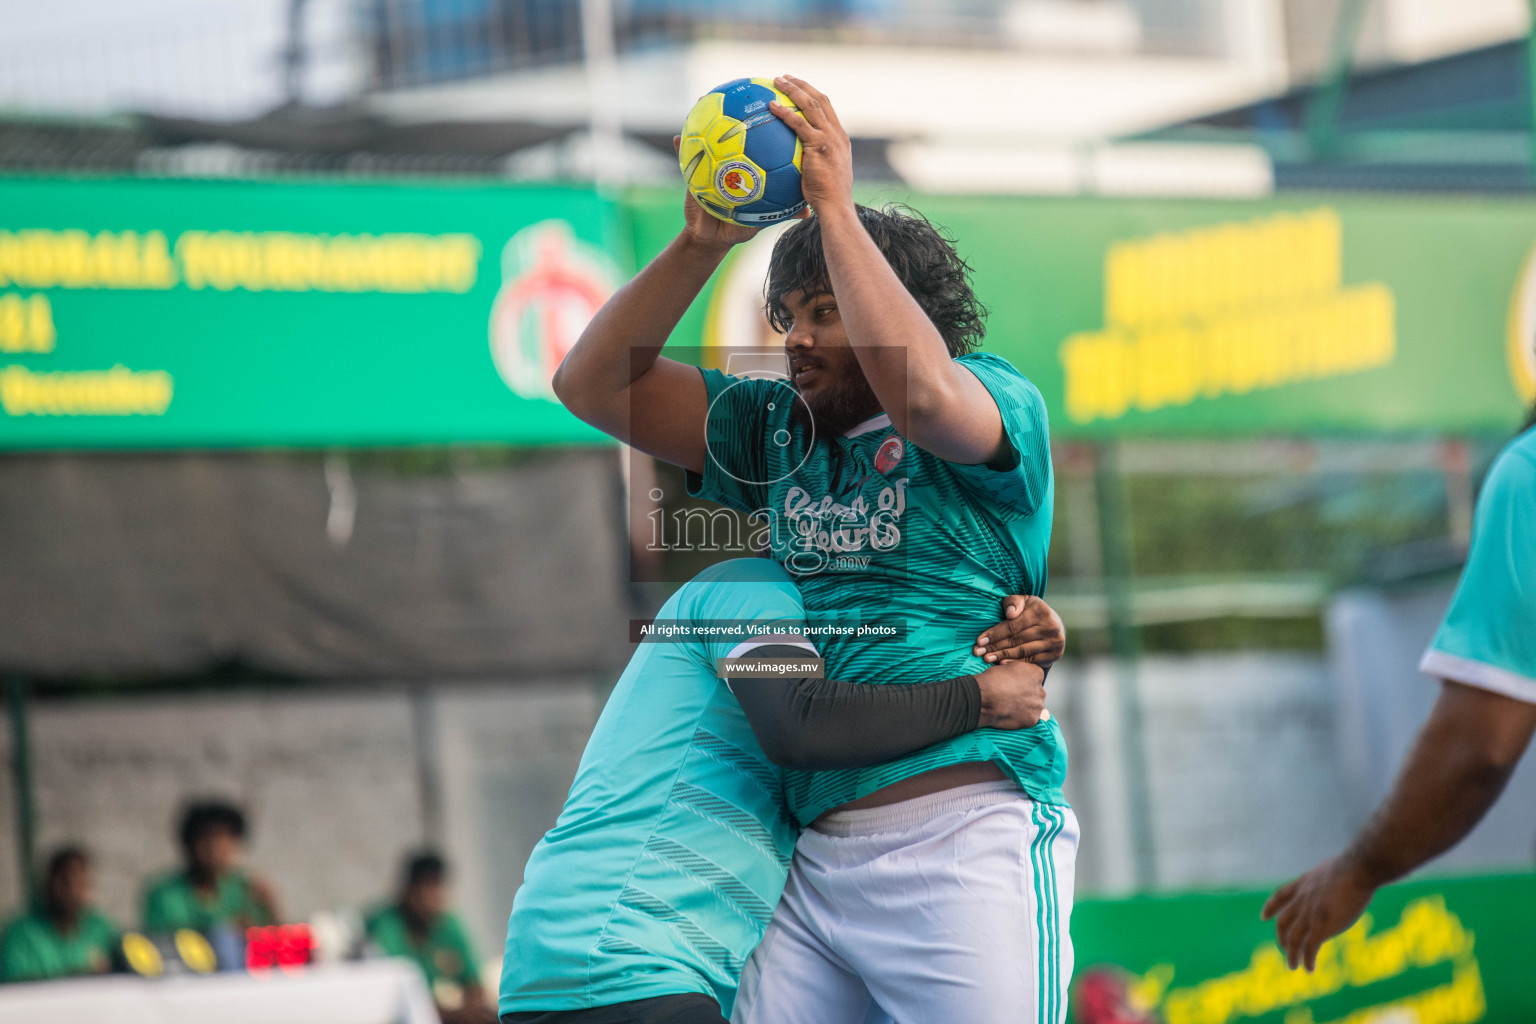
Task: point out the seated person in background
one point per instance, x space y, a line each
211 893
420 926
65 935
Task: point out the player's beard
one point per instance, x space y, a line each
838 405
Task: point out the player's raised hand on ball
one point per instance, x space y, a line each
1012 696
1316 907
826 163
704 228
1030 631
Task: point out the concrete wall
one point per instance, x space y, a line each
332 783
508 761
1240 760
1244 763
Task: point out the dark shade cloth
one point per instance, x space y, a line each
146 565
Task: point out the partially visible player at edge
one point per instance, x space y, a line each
949 871
1485 656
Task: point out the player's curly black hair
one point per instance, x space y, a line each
922 255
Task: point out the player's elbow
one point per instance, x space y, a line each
1477 768
940 418
925 405
566 389
1488 765
580 398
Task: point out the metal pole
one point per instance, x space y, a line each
295 54
602 95
21 786
429 768
1530 81
1456 469
1125 646
1323 112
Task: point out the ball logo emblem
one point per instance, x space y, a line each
739 182
889 455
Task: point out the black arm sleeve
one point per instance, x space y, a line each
817 724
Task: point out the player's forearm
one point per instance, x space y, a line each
625 337
902 354
821 724
1459 764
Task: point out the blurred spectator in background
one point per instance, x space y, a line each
211 893
420 926
65 935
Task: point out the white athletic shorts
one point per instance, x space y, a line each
945 909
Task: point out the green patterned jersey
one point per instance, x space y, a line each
174 902
879 533
445 953
33 949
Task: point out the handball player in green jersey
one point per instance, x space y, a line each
1485 655
907 478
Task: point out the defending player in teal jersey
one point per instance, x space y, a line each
646 898
906 479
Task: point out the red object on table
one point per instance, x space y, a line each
284 946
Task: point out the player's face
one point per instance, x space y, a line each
822 365
218 850
71 888
427 899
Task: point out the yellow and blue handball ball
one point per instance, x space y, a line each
739 160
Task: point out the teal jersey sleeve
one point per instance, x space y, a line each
727 620
662 871
1020 489
1488 636
743 414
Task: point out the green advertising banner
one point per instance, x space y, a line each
152 313
1448 951
165 313
1160 317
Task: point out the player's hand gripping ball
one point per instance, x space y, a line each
741 163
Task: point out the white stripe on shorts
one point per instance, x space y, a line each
949 907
